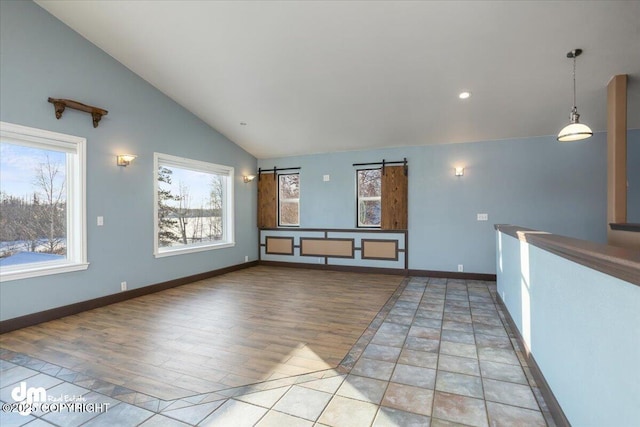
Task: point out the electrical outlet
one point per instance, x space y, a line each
483 217
460 267
123 286
246 258
326 178
100 221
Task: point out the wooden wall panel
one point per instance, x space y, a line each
339 248
267 201
380 249
279 245
395 186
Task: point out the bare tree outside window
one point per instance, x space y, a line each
289 199
35 222
192 205
184 213
369 189
216 197
51 222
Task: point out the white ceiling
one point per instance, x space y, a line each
322 76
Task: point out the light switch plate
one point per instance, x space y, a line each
100 221
326 178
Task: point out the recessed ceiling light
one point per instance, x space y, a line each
243 123
464 95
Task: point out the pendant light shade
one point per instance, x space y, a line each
574 131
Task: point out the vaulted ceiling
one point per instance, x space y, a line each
320 76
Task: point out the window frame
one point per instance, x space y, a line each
358 199
75 179
228 207
279 203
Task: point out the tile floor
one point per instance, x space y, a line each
438 354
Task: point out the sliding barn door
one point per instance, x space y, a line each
267 200
395 184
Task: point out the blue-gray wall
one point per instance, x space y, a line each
533 182
581 327
633 176
41 57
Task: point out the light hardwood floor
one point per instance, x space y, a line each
253 325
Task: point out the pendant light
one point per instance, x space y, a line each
575 130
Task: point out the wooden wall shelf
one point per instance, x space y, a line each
61 104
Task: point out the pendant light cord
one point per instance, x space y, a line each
574 81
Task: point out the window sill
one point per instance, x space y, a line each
41 270
192 249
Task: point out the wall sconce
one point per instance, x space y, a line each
459 171
248 178
125 159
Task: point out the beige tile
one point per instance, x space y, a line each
465 385
342 411
328 385
424 332
428 323
193 414
381 352
388 338
236 413
377 369
422 344
490 330
502 372
461 365
457 326
510 416
460 409
437 422
509 393
493 341
424 359
393 328
389 417
265 398
303 402
414 375
458 349
278 419
408 398
457 336
158 421
430 314
499 355
362 388
457 317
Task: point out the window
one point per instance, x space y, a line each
193 206
289 200
369 185
42 206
